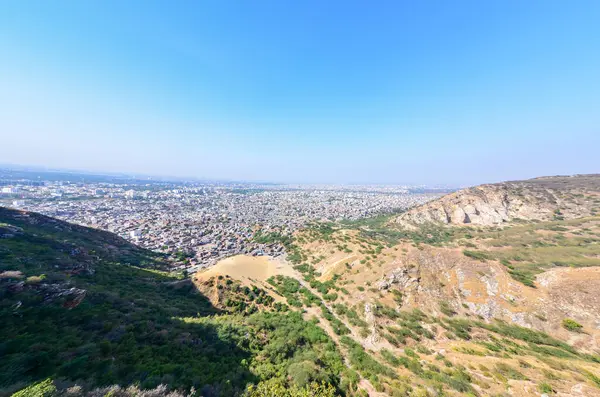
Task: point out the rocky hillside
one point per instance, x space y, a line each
361 308
494 204
484 311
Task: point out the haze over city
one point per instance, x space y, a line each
336 92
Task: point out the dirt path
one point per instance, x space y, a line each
368 387
324 323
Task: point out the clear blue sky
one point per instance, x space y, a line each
455 92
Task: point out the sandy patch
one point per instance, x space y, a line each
244 267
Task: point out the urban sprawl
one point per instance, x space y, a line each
200 223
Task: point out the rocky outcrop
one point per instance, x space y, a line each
69 296
494 204
373 336
401 277
64 293
429 277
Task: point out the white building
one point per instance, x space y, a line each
130 194
10 190
18 203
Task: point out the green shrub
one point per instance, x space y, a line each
363 361
509 372
595 379
545 388
446 309
410 353
480 256
275 387
330 297
523 276
572 325
397 297
461 328
44 388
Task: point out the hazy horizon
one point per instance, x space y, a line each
398 93
173 178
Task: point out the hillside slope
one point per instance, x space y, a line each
452 310
538 199
86 305
367 307
85 309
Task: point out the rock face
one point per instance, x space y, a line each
494 204
401 277
373 337
426 278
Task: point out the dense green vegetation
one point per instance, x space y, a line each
280 389
133 322
272 238
281 346
408 325
238 298
364 362
320 231
296 295
122 331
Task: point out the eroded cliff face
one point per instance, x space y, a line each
495 204
426 278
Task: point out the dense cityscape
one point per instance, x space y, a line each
199 223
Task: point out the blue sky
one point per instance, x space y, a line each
457 92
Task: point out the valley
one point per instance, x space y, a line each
370 306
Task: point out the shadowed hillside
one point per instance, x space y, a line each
85 309
77 307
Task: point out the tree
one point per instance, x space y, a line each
277 388
44 388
